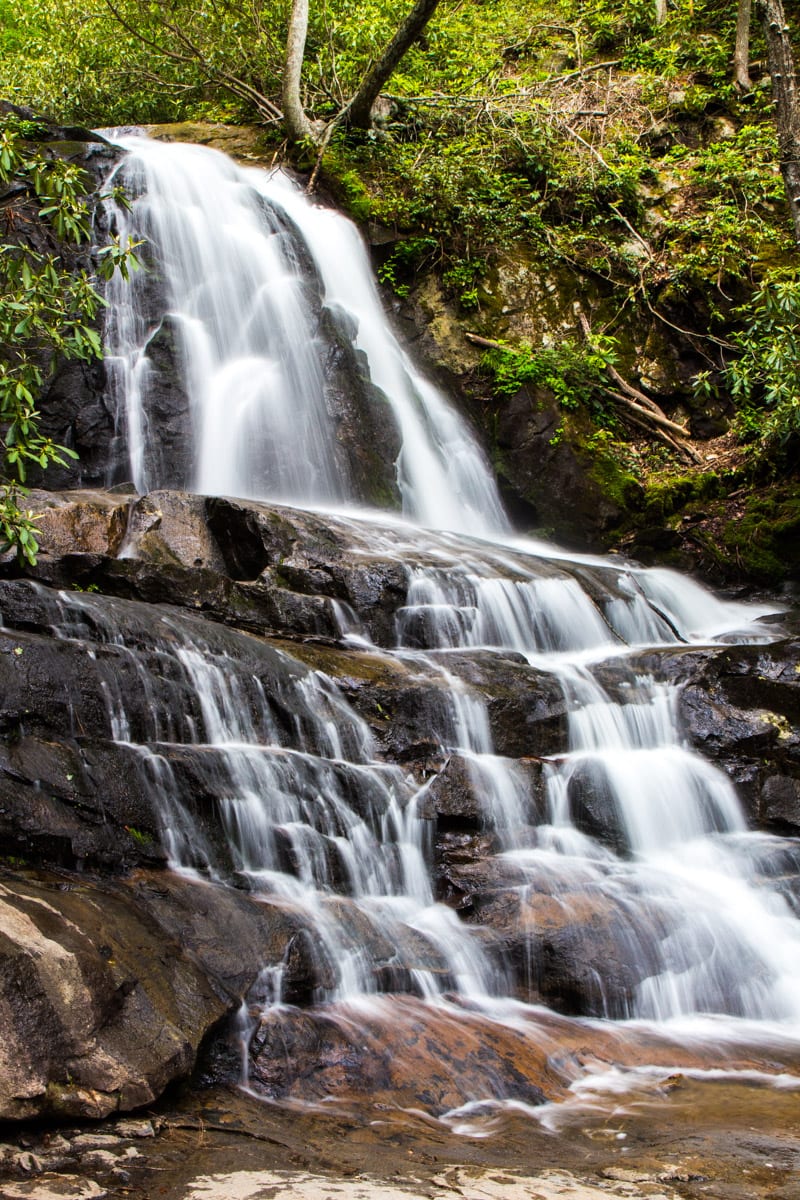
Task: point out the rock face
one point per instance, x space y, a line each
546 479
110 985
106 775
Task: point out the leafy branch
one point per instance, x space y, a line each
46 312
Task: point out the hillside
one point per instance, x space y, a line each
576 214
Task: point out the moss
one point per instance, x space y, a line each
380 492
248 142
765 538
618 485
347 187
779 722
663 498
153 547
355 666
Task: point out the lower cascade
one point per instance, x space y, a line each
454 769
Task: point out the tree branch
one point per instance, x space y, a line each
358 113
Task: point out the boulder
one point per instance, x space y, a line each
108 988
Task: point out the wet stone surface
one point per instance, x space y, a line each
117 972
678 1139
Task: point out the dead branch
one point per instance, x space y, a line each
614 62
641 409
642 412
487 343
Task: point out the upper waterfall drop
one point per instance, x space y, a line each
257 285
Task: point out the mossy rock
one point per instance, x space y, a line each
663 498
765 538
706 524
618 485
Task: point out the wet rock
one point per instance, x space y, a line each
310 556
546 477
95 521
99 1160
96 1141
93 773
574 948
25 1161
593 809
400 1055
367 434
82 802
165 404
70 1037
107 989
526 707
467 870
135 1129
452 797
170 527
740 707
628 1175
780 803
462 795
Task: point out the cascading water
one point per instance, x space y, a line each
635 823
240 254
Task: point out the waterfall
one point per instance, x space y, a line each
636 825
242 259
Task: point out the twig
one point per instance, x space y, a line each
201 1126
614 62
648 248
323 145
641 409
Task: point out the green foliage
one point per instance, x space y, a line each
764 378
407 258
462 278
764 539
141 837
575 374
669 494
736 188
45 310
653 181
354 195
86 65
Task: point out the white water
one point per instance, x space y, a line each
235 248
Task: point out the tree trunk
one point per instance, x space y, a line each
358 113
660 11
296 123
784 93
741 53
